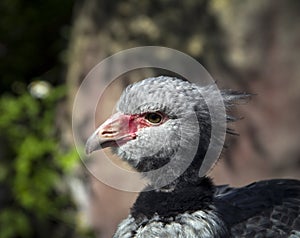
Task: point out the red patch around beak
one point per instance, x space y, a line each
115 131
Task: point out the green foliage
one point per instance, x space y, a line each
20 223
34 197
32 168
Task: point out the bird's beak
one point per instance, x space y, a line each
115 131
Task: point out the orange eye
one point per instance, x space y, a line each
153 117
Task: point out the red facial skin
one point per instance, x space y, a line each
120 128
138 121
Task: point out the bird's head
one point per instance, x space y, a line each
156 119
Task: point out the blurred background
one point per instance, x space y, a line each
47 48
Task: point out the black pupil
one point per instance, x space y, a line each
153 117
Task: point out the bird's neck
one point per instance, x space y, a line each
189 178
185 196
169 178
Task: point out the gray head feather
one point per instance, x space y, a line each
188 125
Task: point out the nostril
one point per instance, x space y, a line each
105 133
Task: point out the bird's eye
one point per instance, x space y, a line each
153 117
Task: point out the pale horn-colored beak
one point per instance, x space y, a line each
115 131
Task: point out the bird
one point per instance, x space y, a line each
166 120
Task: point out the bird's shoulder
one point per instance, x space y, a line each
202 224
263 209
185 212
